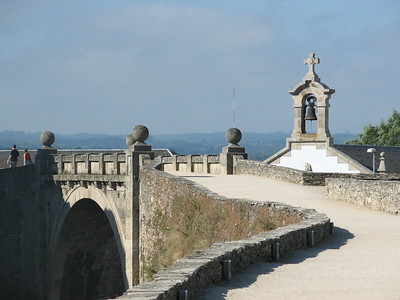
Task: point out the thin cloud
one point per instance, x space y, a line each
164 62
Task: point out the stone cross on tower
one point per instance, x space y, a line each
311 61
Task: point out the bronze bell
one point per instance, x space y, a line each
310 113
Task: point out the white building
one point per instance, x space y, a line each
314 150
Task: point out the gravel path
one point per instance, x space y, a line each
361 261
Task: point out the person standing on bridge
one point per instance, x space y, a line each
27 158
13 157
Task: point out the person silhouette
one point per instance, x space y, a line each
13 157
27 158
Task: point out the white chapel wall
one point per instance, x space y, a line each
317 158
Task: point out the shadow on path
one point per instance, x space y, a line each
194 176
248 276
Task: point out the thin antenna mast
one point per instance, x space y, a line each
233 109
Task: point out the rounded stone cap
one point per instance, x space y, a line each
130 140
140 133
233 135
47 138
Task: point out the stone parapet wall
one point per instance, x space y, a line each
314 178
209 164
88 163
248 167
378 176
383 195
163 194
17 233
197 270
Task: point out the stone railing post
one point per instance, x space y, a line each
45 164
44 161
102 168
60 164
175 165
136 147
73 164
233 136
87 164
189 163
115 163
382 164
206 167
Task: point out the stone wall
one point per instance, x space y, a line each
255 168
90 163
201 268
83 232
248 167
167 201
17 220
211 164
383 195
191 163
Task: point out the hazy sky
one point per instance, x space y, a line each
105 66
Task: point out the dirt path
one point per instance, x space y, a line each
361 261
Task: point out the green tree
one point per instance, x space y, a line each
385 134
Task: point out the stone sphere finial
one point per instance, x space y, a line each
233 135
47 139
140 133
130 140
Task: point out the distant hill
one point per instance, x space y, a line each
73 141
259 146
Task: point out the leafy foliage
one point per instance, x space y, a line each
385 134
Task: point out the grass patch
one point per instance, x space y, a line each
196 222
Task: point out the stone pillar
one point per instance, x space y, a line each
298 124
115 163
233 136
206 167
175 165
323 117
382 164
87 164
136 147
102 168
73 164
45 164
44 161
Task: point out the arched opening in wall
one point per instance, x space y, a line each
310 112
86 264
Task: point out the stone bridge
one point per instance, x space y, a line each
71 221
78 215
86 225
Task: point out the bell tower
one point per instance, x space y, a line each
311 103
307 150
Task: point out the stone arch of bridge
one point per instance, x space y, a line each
85 205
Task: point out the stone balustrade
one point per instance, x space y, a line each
209 164
89 163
